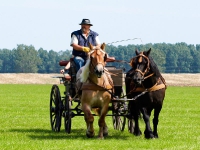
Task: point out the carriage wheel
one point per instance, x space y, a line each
119 120
55 108
118 111
131 125
67 114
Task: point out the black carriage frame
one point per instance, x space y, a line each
60 106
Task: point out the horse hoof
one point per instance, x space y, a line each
155 135
101 138
105 134
137 133
105 131
149 136
90 134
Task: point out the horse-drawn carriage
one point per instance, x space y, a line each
61 106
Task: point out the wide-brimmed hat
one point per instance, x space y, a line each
86 21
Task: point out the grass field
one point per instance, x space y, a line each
25 123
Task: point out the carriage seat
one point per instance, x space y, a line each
68 77
66 63
63 62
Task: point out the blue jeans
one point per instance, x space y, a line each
79 62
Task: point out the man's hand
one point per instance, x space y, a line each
62 71
86 49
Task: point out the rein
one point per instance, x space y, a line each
121 61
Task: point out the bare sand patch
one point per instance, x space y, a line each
35 78
28 78
182 79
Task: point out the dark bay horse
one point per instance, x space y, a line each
96 88
145 76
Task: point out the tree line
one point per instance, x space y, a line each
170 58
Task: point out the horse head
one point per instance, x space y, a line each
97 60
140 65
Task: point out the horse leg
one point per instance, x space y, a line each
134 114
102 125
105 130
137 131
155 121
89 119
146 115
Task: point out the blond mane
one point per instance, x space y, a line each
85 72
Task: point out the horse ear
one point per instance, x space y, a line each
136 51
90 46
103 46
148 52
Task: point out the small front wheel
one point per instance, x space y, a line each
119 110
119 120
67 114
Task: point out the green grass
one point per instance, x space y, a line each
25 123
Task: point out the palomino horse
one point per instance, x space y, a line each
96 89
145 76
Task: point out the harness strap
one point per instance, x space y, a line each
100 88
148 76
156 86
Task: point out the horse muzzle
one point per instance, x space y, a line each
99 71
138 80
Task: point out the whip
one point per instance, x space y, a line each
125 40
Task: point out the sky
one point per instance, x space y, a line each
48 24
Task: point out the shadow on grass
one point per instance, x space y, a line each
44 134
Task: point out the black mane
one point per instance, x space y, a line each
154 67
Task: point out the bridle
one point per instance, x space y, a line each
98 51
94 68
141 55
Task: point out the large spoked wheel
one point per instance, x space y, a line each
118 114
119 120
67 114
55 108
131 126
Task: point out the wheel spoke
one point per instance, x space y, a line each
53 100
67 113
53 122
55 110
